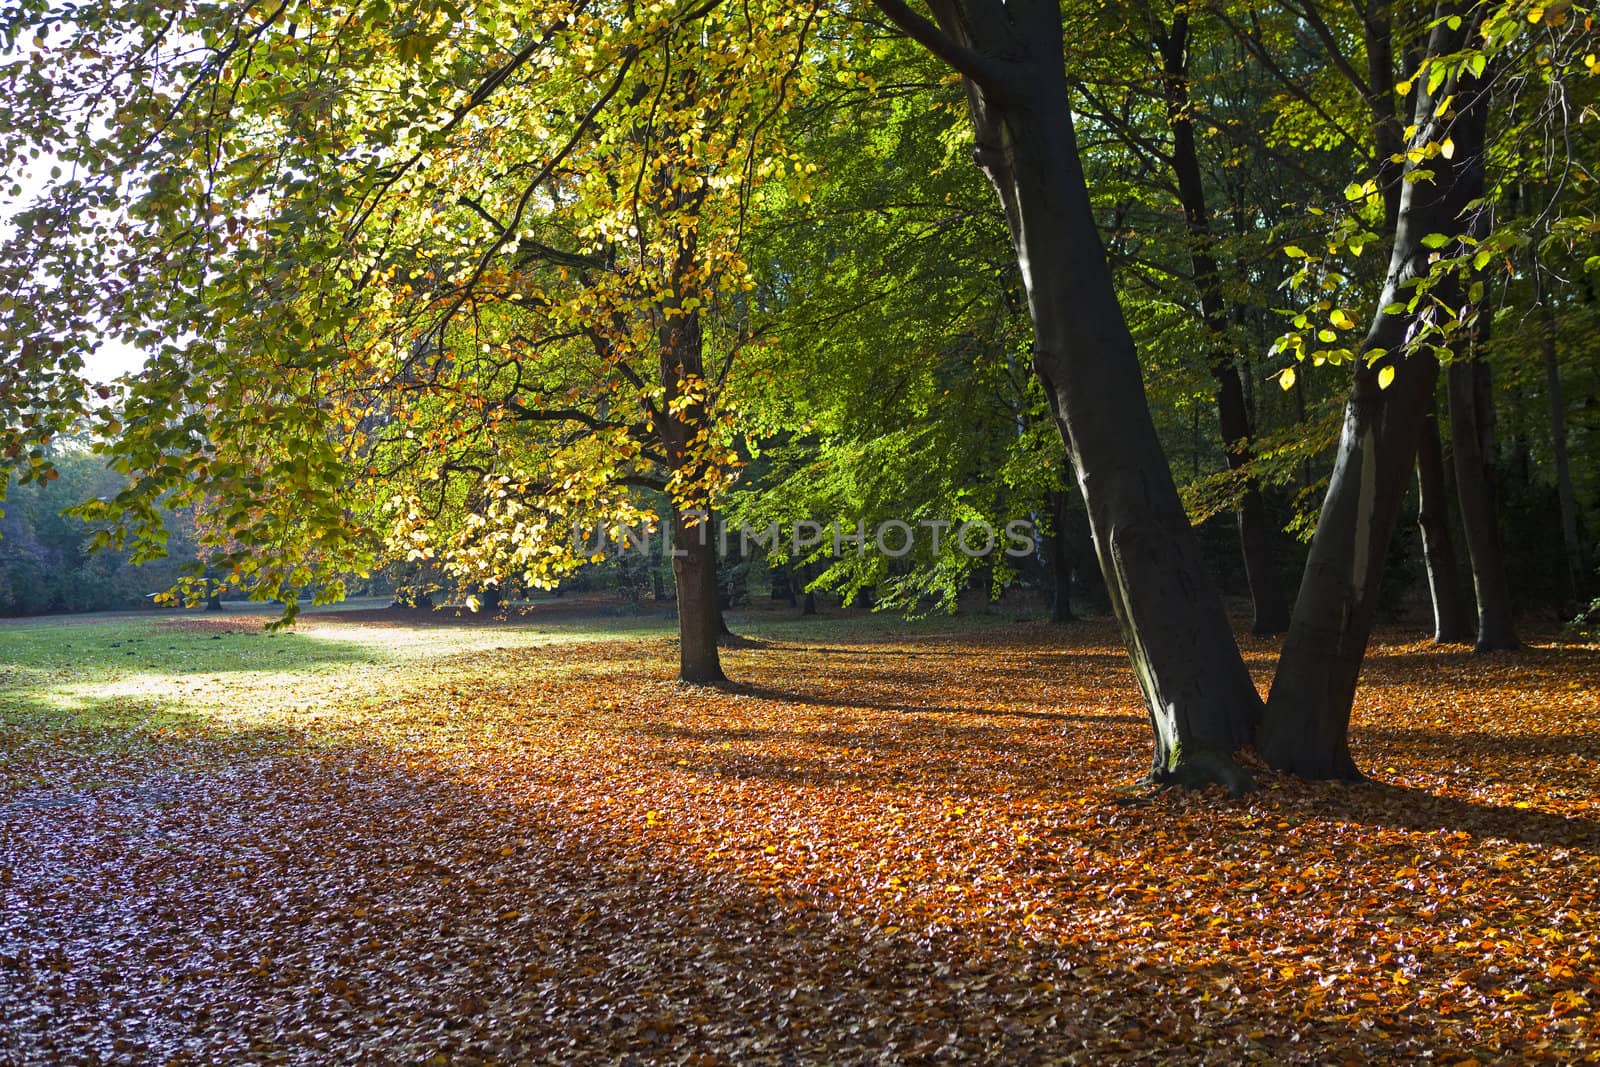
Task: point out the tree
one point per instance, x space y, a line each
1450 624
1201 701
46 562
1116 101
447 284
1427 304
414 289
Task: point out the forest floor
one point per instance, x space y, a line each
390 837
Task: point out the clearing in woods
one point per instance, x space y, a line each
428 839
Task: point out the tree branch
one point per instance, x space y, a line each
985 71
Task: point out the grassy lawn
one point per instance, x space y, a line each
393 837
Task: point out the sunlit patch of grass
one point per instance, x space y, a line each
113 690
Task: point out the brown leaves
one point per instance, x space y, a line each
875 846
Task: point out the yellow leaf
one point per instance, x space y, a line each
1448 148
1286 379
1385 377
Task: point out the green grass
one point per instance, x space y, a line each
95 696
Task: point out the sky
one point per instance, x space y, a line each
112 358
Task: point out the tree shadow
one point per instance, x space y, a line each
1520 746
873 702
1401 807
327 905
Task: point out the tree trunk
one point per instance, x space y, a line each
1271 609
1450 625
1472 444
1577 568
1307 723
1197 692
694 567
1059 559
680 422
1087 582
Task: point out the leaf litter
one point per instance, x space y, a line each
874 848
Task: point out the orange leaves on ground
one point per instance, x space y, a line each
919 847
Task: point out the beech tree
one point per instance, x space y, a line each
438 283
1201 701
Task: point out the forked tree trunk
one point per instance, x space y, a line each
1270 607
1199 696
1472 445
1450 625
1307 722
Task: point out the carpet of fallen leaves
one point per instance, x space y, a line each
878 847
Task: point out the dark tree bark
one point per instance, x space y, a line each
1087 582
1450 623
694 560
1577 567
1472 445
1306 727
1199 696
1059 559
1377 25
1271 608
694 566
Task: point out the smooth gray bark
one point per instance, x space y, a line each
1306 726
694 567
1450 623
1472 447
1199 696
1059 558
1269 605
1577 567
694 560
